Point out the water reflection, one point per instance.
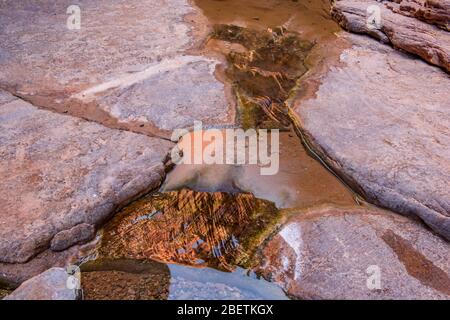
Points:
(218, 229)
(209, 284)
(300, 182)
(129, 279)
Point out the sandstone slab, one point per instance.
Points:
(128, 66)
(12, 275)
(407, 33)
(50, 285)
(381, 120)
(80, 233)
(62, 176)
(329, 253)
(432, 11)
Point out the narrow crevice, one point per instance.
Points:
(113, 123)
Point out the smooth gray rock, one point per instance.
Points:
(407, 33)
(58, 172)
(381, 120)
(50, 285)
(132, 64)
(331, 253)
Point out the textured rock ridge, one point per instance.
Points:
(407, 33)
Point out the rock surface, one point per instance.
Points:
(80, 233)
(13, 274)
(380, 119)
(62, 176)
(50, 285)
(417, 37)
(432, 11)
(6, 97)
(122, 68)
(331, 253)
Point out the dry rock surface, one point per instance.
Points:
(122, 68)
(418, 37)
(333, 253)
(380, 119)
(62, 176)
(432, 11)
(49, 285)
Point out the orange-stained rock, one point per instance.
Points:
(409, 34)
(432, 11)
(330, 253)
(122, 68)
(61, 177)
(381, 120)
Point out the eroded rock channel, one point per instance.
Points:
(224, 231)
(219, 216)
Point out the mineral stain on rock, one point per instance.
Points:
(217, 229)
(416, 264)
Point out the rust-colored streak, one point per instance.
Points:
(416, 264)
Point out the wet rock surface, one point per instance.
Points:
(49, 285)
(122, 68)
(128, 279)
(330, 253)
(384, 133)
(125, 280)
(264, 74)
(209, 284)
(428, 41)
(62, 176)
(264, 66)
(4, 293)
(300, 182)
(310, 19)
